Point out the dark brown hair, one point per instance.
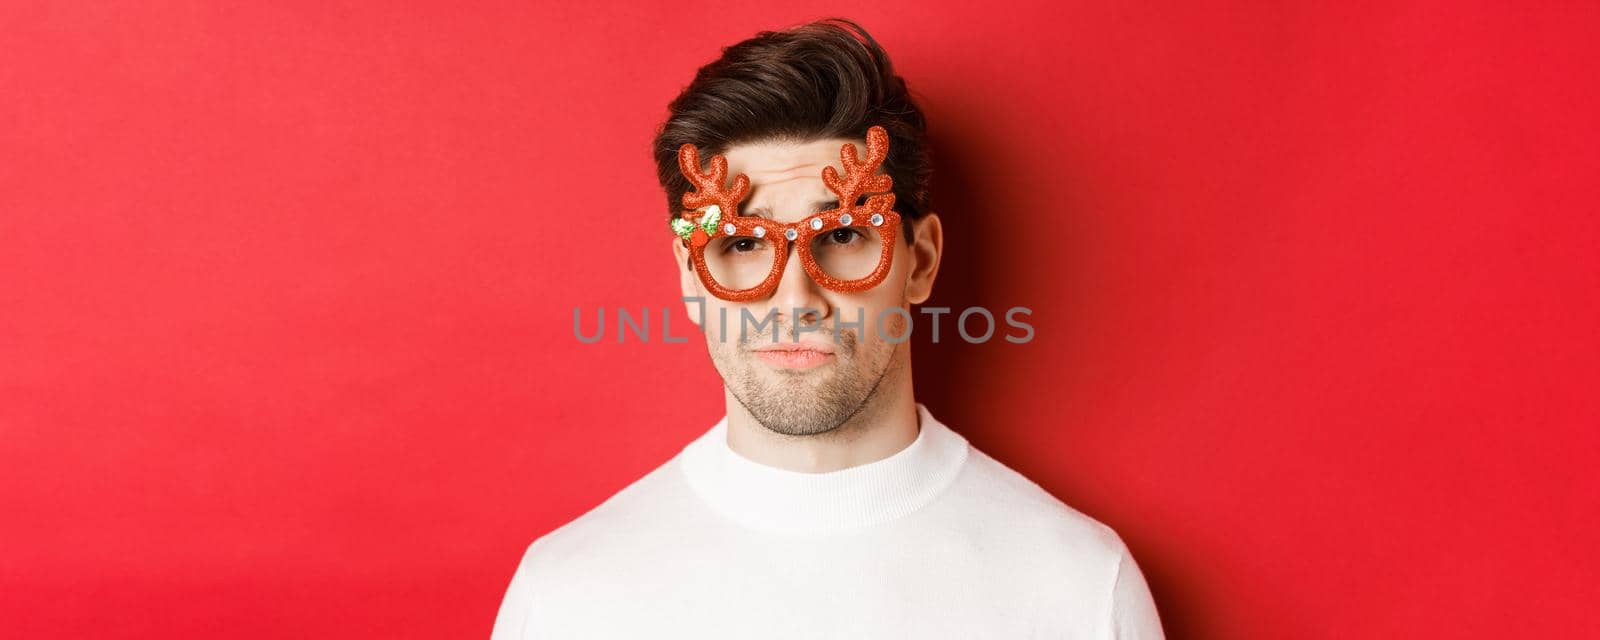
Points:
(825, 79)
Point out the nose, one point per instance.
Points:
(798, 299)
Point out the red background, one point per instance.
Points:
(286, 300)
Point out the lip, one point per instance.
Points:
(795, 355)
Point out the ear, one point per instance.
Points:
(688, 282)
(925, 252)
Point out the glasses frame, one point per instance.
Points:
(702, 218)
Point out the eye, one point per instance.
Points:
(740, 245)
(843, 236)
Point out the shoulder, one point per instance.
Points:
(642, 520)
(999, 508)
(1077, 567)
(639, 513)
(1022, 500)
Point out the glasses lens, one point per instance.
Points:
(848, 253)
(739, 262)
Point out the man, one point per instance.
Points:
(828, 503)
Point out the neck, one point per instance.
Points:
(886, 424)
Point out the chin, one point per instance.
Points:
(805, 381)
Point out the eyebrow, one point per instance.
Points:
(816, 207)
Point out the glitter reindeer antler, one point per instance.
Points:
(859, 175)
(708, 194)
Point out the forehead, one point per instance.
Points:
(786, 176)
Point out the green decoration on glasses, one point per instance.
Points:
(712, 218)
(685, 229)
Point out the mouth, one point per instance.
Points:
(799, 355)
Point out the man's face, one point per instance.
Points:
(812, 382)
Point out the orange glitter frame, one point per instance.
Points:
(721, 207)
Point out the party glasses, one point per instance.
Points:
(741, 258)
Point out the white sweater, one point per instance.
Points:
(936, 541)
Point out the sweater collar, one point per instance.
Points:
(783, 501)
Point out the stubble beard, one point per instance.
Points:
(805, 402)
